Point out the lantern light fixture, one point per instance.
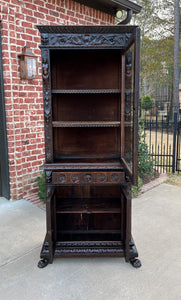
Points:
(28, 64)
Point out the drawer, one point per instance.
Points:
(76, 178)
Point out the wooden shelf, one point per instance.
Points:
(128, 124)
(105, 91)
(86, 123)
(88, 206)
(84, 164)
(92, 231)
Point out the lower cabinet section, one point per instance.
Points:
(88, 221)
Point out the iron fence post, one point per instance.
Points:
(174, 140)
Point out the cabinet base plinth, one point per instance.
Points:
(88, 249)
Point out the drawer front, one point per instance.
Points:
(75, 178)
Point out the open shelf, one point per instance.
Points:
(86, 123)
(88, 206)
(94, 223)
(85, 70)
(80, 108)
(87, 142)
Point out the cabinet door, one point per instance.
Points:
(129, 109)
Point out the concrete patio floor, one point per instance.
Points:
(156, 231)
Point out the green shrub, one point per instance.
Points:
(147, 102)
(41, 187)
(145, 162)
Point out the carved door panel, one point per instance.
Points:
(130, 87)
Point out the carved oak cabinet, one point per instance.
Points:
(90, 89)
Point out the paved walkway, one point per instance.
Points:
(156, 231)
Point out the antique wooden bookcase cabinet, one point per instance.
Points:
(90, 89)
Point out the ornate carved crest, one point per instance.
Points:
(91, 40)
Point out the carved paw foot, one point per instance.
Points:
(136, 263)
(43, 263)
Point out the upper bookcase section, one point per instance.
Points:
(87, 37)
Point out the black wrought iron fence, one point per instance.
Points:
(178, 151)
(162, 128)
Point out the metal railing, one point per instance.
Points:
(162, 129)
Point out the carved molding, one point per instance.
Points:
(119, 37)
(90, 244)
(86, 124)
(91, 91)
(114, 248)
(87, 177)
(88, 40)
(82, 167)
(92, 29)
(88, 251)
(73, 244)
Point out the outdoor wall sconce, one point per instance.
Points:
(28, 64)
(119, 14)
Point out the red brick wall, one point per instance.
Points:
(23, 98)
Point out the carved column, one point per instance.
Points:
(47, 105)
(126, 189)
(49, 208)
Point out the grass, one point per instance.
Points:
(174, 179)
